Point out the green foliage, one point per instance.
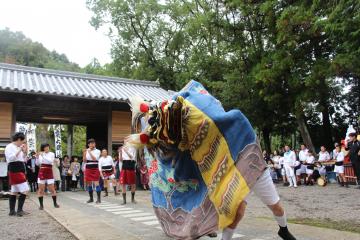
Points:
(94, 67)
(277, 61)
(18, 49)
(45, 134)
(284, 64)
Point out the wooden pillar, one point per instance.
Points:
(109, 130)
(70, 137)
(7, 126)
(13, 123)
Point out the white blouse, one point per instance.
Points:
(106, 161)
(10, 154)
(340, 157)
(46, 158)
(290, 158)
(310, 160)
(303, 155)
(130, 156)
(324, 156)
(95, 152)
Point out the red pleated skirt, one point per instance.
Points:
(92, 174)
(45, 172)
(16, 178)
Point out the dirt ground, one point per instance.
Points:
(330, 203)
(36, 226)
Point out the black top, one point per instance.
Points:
(15, 167)
(354, 148)
(128, 165)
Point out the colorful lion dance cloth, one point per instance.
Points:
(202, 160)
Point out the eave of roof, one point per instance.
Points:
(21, 79)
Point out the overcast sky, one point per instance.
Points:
(61, 25)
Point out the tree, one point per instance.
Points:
(342, 25)
(16, 48)
(272, 59)
(95, 68)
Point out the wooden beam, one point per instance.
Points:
(109, 130)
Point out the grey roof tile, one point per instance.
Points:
(15, 78)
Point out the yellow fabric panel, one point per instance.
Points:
(208, 147)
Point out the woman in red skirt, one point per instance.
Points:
(144, 174)
(107, 171)
(45, 159)
(128, 174)
(92, 175)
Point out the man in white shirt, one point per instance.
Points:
(324, 156)
(15, 154)
(91, 157)
(289, 165)
(303, 154)
(339, 166)
(127, 174)
(3, 175)
(334, 152)
(309, 163)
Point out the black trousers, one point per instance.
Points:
(57, 185)
(68, 182)
(75, 183)
(356, 167)
(63, 187)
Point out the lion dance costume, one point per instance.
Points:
(202, 160)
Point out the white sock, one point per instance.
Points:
(281, 220)
(294, 180)
(290, 181)
(227, 234)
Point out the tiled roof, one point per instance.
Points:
(21, 79)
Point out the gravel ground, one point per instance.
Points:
(330, 202)
(38, 225)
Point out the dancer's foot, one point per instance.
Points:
(56, 206)
(212, 235)
(12, 213)
(285, 234)
(41, 208)
(22, 213)
(133, 198)
(90, 201)
(124, 199)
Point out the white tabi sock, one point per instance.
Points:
(294, 181)
(227, 234)
(281, 220)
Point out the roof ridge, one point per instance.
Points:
(77, 75)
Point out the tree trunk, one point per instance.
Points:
(327, 136)
(267, 140)
(305, 135)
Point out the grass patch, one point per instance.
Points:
(328, 223)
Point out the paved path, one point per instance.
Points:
(110, 220)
